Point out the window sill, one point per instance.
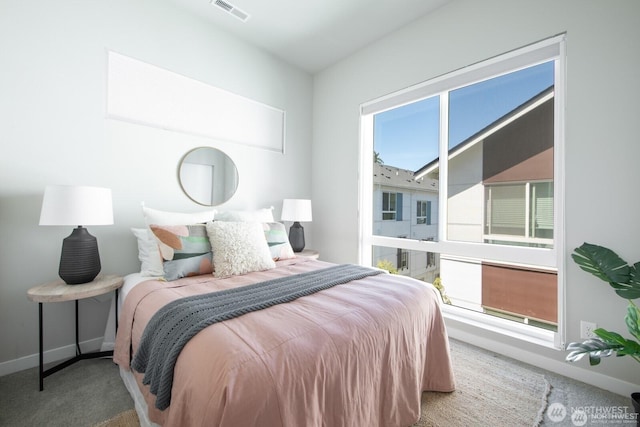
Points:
(503, 327)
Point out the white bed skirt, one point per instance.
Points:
(108, 343)
(130, 280)
(138, 400)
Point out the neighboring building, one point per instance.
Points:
(405, 207)
(500, 190)
(496, 168)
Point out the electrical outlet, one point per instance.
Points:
(586, 329)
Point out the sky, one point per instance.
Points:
(407, 137)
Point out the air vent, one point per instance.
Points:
(231, 10)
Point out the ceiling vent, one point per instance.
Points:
(231, 10)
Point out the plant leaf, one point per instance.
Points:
(632, 320)
(610, 337)
(631, 289)
(595, 348)
(608, 266)
(625, 280)
(625, 346)
(631, 349)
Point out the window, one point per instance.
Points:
(388, 206)
(403, 259)
(423, 212)
(478, 153)
(431, 259)
(519, 213)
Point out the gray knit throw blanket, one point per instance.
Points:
(176, 323)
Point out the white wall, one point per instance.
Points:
(466, 193)
(53, 130)
(463, 282)
(602, 147)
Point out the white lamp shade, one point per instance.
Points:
(76, 205)
(296, 210)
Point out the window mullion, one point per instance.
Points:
(527, 210)
(444, 166)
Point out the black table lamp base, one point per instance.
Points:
(296, 237)
(80, 260)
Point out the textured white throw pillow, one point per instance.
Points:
(238, 248)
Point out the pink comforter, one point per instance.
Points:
(358, 354)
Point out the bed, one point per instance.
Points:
(357, 353)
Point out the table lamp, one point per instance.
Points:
(77, 206)
(296, 210)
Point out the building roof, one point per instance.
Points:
(401, 178)
(490, 129)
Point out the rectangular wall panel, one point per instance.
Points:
(149, 95)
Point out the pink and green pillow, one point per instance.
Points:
(278, 241)
(185, 250)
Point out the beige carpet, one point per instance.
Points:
(125, 419)
(489, 392)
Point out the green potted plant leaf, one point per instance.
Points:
(625, 281)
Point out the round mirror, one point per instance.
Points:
(208, 176)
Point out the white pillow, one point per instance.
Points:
(259, 215)
(157, 217)
(238, 248)
(148, 253)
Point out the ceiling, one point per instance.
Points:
(312, 34)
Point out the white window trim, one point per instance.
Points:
(550, 49)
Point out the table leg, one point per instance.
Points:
(41, 359)
(116, 308)
(78, 352)
(79, 355)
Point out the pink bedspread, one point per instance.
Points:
(358, 354)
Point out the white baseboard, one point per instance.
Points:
(614, 385)
(53, 355)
